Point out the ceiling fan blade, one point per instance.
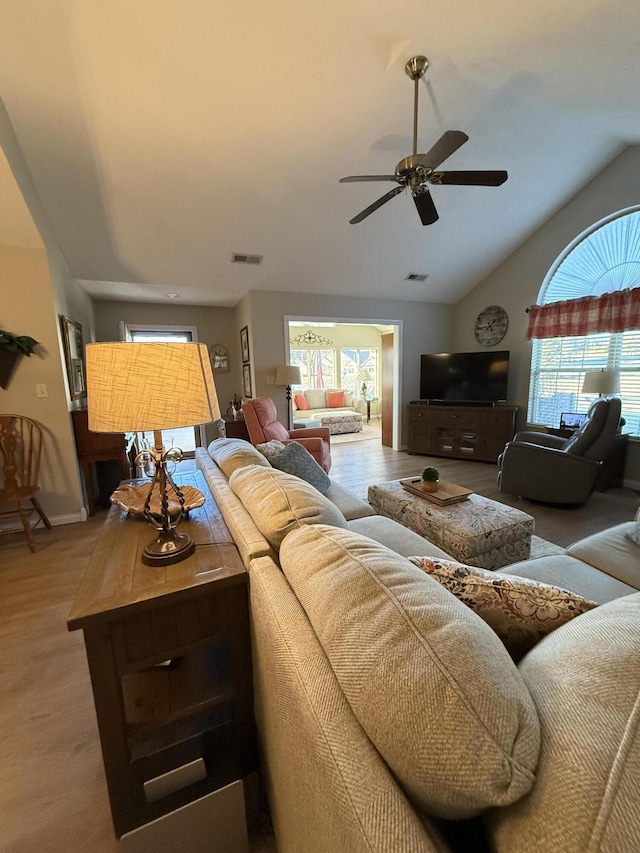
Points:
(376, 204)
(447, 145)
(478, 179)
(353, 178)
(426, 207)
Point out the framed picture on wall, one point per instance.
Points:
(246, 380)
(244, 344)
(74, 357)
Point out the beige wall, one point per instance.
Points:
(425, 327)
(515, 284)
(214, 325)
(26, 272)
(36, 289)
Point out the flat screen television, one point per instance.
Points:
(464, 377)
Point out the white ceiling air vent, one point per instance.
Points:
(237, 258)
(416, 276)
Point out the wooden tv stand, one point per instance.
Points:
(461, 432)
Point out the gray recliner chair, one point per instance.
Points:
(551, 469)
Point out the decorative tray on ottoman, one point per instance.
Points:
(446, 493)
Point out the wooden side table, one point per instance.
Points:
(170, 662)
(369, 402)
(97, 447)
(236, 429)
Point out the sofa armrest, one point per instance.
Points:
(313, 445)
(612, 551)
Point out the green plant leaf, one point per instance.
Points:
(24, 344)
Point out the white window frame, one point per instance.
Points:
(558, 365)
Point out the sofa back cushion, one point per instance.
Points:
(316, 399)
(279, 502)
(429, 681)
(232, 453)
(585, 681)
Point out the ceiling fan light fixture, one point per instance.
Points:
(417, 171)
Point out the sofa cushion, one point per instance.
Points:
(296, 459)
(429, 681)
(585, 682)
(612, 551)
(520, 611)
(335, 399)
(316, 399)
(301, 402)
(279, 502)
(394, 535)
(232, 453)
(572, 574)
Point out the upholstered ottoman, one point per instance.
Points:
(478, 531)
(342, 422)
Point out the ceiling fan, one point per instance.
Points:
(418, 170)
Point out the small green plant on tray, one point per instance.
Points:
(430, 475)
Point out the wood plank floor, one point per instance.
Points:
(357, 464)
(53, 795)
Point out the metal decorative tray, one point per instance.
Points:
(132, 499)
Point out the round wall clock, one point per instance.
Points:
(491, 326)
(219, 356)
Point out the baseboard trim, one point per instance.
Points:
(70, 518)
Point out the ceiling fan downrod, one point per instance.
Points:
(415, 68)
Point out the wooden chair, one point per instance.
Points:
(20, 449)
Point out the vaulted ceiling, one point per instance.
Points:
(164, 136)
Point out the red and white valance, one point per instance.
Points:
(618, 311)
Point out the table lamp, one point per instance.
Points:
(364, 376)
(288, 374)
(134, 387)
(601, 382)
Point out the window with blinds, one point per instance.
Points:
(603, 259)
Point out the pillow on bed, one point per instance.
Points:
(520, 611)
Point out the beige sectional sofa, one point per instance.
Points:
(390, 716)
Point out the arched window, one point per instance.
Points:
(604, 258)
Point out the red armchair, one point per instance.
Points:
(261, 418)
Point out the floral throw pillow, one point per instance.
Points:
(270, 449)
(520, 611)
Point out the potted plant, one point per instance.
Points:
(12, 347)
(430, 477)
